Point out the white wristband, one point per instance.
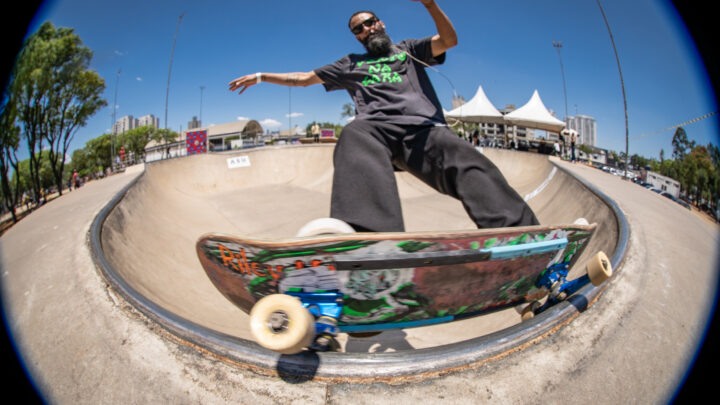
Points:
(258, 77)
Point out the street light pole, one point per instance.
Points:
(172, 53)
(289, 111)
(201, 97)
(112, 128)
(558, 46)
(622, 86)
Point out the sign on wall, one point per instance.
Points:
(196, 142)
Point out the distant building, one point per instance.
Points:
(127, 123)
(597, 157)
(194, 124)
(586, 128)
(124, 124)
(457, 101)
(148, 120)
(661, 182)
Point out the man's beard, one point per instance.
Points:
(378, 44)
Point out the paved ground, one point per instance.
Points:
(83, 344)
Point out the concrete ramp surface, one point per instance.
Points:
(149, 238)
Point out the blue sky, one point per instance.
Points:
(506, 47)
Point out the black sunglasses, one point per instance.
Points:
(367, 23)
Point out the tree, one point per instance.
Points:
(699, 173)
(714, 153)
(348, 110)
(135, 140)
(81, 163)
(639, 161)
(77, 97)
(22, 178)
(30, 87)
(98, 154)
(56, 93)
(165, 136)
(681, 144)
(9, 141)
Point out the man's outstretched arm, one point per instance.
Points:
(285, 79)
(446, 37)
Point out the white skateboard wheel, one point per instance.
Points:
(325, 226)
(581, 221)
(599, 269)
(528, 312)
(281, 323)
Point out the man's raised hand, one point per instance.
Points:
(243, 83)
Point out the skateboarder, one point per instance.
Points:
(399, 121)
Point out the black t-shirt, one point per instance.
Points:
(394, 89)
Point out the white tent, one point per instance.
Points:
(478, 109)
(534, 115)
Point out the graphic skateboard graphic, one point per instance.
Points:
(300, 292)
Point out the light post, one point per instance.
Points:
(558, 46)
(201, 97)
(112, 127)
(622, 86)
(172, 53)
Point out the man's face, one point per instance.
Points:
(370, 32)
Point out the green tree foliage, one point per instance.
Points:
(135, 140)
(97, 156)
(10, 140)
(45, 174)
(681, 144)
(348, 110)
(54, 93)
(696, 167)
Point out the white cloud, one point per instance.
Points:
(270, 123)
(138, 78)
(120, 53)
(294, 115)
(243, 119)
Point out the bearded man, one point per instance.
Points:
(399, 122)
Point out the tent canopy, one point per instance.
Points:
(478, 109)
(534, 115)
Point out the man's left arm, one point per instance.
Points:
(446, 37)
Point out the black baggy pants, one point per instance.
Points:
(365, 195)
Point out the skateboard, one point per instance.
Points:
(301, 292)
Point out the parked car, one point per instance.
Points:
(684, 204)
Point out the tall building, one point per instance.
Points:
(125, 123)
(586, 128)
(194, 124)
(457, 101)
(148, 120)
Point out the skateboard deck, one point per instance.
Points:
(397, 280)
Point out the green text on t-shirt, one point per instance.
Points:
(380, 72)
